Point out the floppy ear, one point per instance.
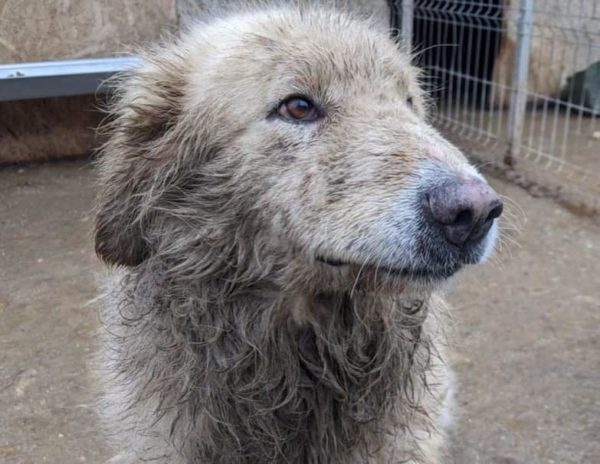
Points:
(142, 117)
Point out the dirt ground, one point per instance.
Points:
(527, 331)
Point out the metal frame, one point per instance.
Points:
(518, 103)
(408, 12)
(508, 118)
(22, 81)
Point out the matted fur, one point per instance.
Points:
(227, 339)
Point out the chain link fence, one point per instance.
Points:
(515, 83)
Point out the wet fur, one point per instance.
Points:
(226, 341)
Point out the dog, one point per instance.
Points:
(278, 216)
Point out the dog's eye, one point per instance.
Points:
(410, 102)
(298, 109)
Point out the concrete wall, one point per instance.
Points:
(34, 30)
(378, 9)
(46, 129)
(39, 30)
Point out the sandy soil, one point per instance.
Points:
(527, 331)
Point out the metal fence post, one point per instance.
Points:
(408, 13)
(518, 101)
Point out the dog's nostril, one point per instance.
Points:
(463, 217)
(495, 213)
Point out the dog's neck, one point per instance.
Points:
(296, 375)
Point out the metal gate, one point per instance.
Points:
(515, 82)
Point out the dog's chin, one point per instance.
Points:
(443, 261)
(382, 278)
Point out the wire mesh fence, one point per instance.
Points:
(515, 82)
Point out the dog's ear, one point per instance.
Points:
(132, 162)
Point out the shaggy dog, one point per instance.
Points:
(278, 216)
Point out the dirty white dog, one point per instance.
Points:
(278, 215)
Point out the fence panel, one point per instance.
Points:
(515, 81)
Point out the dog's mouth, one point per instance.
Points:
(417, 274)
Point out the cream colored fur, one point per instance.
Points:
(229, 338)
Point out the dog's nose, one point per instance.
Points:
(464, 210)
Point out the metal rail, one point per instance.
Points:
(22, 81)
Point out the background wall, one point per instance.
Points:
(33, 30)
(378, 9)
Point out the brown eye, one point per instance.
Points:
(298, 109)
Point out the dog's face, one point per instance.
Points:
(322, 123)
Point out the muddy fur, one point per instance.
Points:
(228, 339)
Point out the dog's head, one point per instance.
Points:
(297, 139)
